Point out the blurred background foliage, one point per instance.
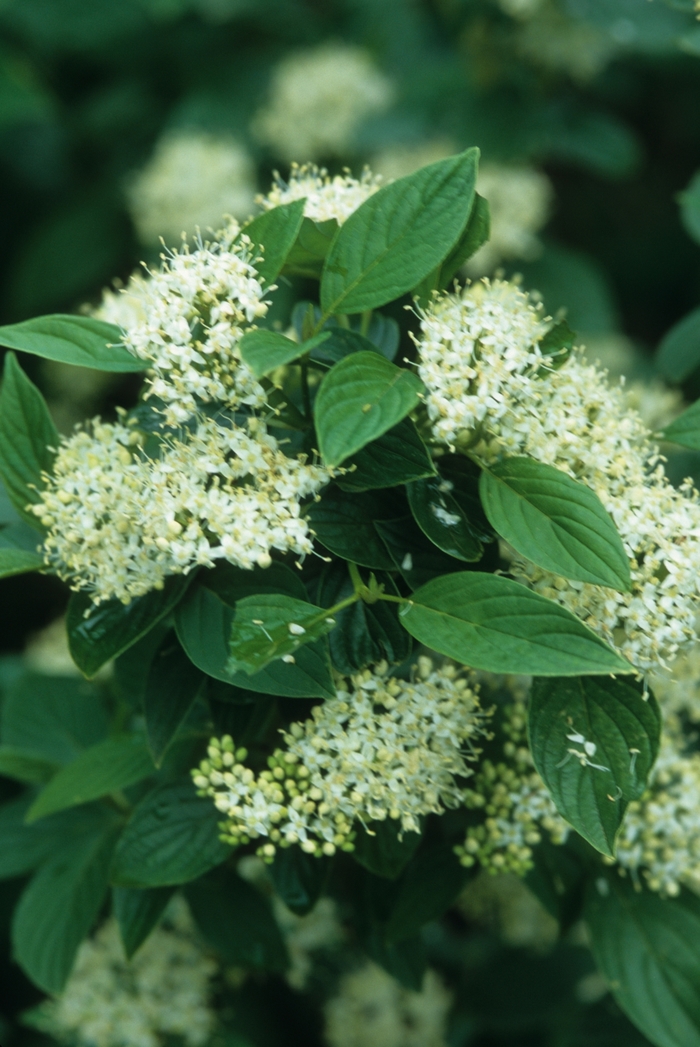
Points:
(590, 106)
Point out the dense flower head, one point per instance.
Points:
(194, 311)
(490, 387)
(326, 198)
(192, 180)
(519, 200)
(119, 522)
(163, 991)
(382, 748)
(372, 1009)
(318, 99)
(515, 801)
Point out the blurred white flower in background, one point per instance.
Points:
(520, 200)
(318, 99)
(191, 181)
(395, 161)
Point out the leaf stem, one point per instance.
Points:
(305, 387)
(365, 322)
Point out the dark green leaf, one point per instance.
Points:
(557, 523)
(648, 949)
(397, 457)
(594, 741)
(28, 439)
(442, 519)
(23, 847)
(54, 716)
(462, 475)
(275, 231)
(25, 765)
(360, 399)
(298, 878)
(19, 561)
(418, 560)
(475, 234)
(79, 340)
(235, 918)
(685, 430)
(398, 235)
(172, 685)
(429, 885)
(340, 343)
(406, 961)
(96, 634)
(495, 624)
(137, 912)
(384, 333)
(558, 878)
(308, 254)
(104, 768)
(689, 200)
(383, 849)
(344, 523)
(557, 344)
(679, 352)
(61, 903)
(271, 626)
(265, 350)
(171, 838)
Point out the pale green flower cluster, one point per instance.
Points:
(552, 39)
(326, 198)
(382, 748)
(318, 99)
(515, 801)
(120, 522)
(372, 1009)
(163, 991)
(490, 389)
(192, 180)
(519, 199)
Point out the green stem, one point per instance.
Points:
(347, 602)
(306, 397)
(393, 599)
(357, 582)
(365, 322)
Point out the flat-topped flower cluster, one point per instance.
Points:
(382, 748)
(326, 197)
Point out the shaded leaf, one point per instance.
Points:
(685, 430)
(679, 352)
(137, 912)
(19, 561)
(275, 232)
(344, 523)
(442, 519)
(383, 849)
(265, 350)
(171, 688)
(397, 457)
(56, 717)
(271, 626)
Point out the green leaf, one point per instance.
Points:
(203, 624)
(308, 254)
(28, 439)
(105, 768)
(299, 878)
(25, 765)
(648, 950)
(265, 350)
(557, 523)
(442, 519)
(412, 554)
(275, 231)
(235, 918)
(679, 352)
(360, 399)
(689, 201)
(345, 524)
(557, 344)
(61, 903)
(397, 457)
(685, 430)
(383, 849)
(594, 741)
(171, 838)
(98, 633)
(23, 847)
(476, 233)
(137, 912)
(19, 561)
(172, 686)
(427, 888)
(79, 340)
(272, 626)
(56, 717)
(495, 624)
(558, 879)
(461, 476)
(398, 235)
(339, 343)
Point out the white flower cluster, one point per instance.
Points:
(678, 691)
(552, 39)
(660, 834)
(382, 748)
(326, 198)
(163, 991)
(124, 306)
(119, 522)
(519, 200)
(318, 99)
(192, 181)
(489, 388)
(521, 9)
(516, 803)
(195, 311)
(373, 1010)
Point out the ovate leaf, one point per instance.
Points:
(98, 633)
(137, 912)
(299, 878)
(442, 519)
(397, 457)
(273, 233)
(171, 838)
(594, 741)
(23, 847)
(495, 624)
(28, 439)
(171, 688)
(648, 950)
(265, 350)
(272, 626)
(360, 399)
(679, 352)
(428, 886)
(685, 430)
(309, 251)
(104, 768)
(25, 766)
(345, 524)
(79, 340)
(19, 561)
(557, 523)
(476, 233)
(56, 717)
(398, 235)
